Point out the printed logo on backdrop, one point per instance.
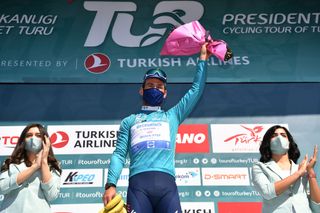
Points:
(192, 138)
(227, 207)
(118, 25)
(271, 23)
(238, 138)
(123, 179)
(9, 136)
(59, 139)
(113, 17)
(97, 63)
(188, 176)
(166, 14)
(197, 207)
(223, 176)
(74, 178)
(83, 139)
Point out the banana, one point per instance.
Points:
(118, 208)
(112, 203)
(123, 210)
(102, 210)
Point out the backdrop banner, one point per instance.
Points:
(215, 146)
(117, 41)
(213, 164)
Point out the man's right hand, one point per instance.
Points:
(109, 194)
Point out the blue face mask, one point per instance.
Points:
(33, 144)
(279, 145)
(153, 96)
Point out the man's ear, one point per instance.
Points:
(141, 91)
(165, 93)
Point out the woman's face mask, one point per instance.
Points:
(279, 145)
(33, 144)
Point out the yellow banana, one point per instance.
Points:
(112, 203)
(118, 208)
(102, 210)
(123, 210)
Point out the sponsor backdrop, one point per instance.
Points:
(61, 63)
(115, 41)
(216, 145)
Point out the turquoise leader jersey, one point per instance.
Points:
(150, 136)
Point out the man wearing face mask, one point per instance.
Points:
(284, 185)
(149, 139)
(30, 177)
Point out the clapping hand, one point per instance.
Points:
(45, 150)
(312, 161)
(303, 166)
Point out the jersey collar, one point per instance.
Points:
(151, 108)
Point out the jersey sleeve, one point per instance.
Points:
(119, 155)
(191, 98)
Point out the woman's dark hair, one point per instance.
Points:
(19, 153)
(265, 150)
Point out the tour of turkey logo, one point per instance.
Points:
(97, 63)
(59, 139)
(247, 136)
(241, 138)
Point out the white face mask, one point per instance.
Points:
(279, 145)
(33, 144)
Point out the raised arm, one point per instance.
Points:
(314, 187)
(191, 98)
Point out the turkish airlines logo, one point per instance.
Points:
(83, 139)
(192, 138)
(59, 139)
(166, 14)
(97, 63)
